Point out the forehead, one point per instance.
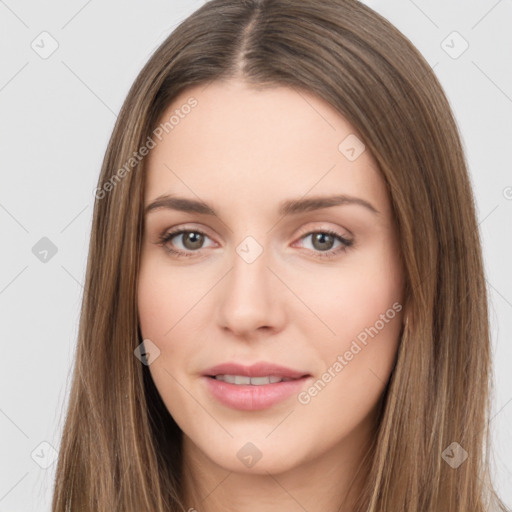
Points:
(253, 145)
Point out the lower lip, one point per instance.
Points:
(253, 398)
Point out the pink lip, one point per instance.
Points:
(252, 398)
(261, 369)
(249, 397)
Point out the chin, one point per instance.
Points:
(255, 458)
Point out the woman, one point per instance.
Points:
(285, 304)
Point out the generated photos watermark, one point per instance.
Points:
(361, 341)
(158, 133)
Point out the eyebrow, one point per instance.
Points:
(286, 208)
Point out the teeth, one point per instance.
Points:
(255, 381)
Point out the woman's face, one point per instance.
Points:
(274, 268)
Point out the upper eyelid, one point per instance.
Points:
(206, 230)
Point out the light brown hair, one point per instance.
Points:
(121, 449)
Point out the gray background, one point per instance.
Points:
(57, 114)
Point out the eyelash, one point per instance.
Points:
(167, 237)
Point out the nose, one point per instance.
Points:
(250, 298)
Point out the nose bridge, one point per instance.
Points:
(249, 298)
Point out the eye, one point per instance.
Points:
(323, 241)
(192, 241)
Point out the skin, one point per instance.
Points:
(243, 151)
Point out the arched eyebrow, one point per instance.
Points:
(286, 208)
(295, 206)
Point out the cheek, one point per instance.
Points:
(171, 314)
(164, 298)
(363, 306)
(162, 319)
(357, 364)
(354, 297)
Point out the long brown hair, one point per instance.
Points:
(121, 449)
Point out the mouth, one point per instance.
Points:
(236, 373)
(255, 387)
(243, 380)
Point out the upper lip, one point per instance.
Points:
(260, 369)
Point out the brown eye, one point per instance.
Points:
(322, 241)
(192, 240)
